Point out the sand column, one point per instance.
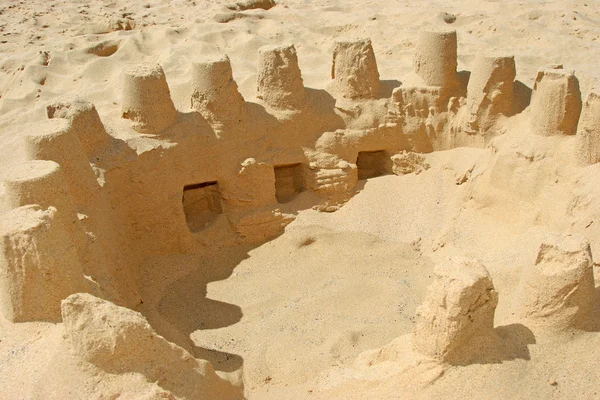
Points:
(555, 103)
(40, 182)
(354, 71)
(215, 94)
(558, 290)
(490, 90)
(435, 58)
(280, 82)
(460, 304)
(85, 122)
(56, 140)
(38, 265)
(147, 99)
(588, 134)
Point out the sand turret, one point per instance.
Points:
(147, 100)
(558, 290)
(280, 82)
(435, 57)
(38, 265)
(85, 122)
(39, 182)
(215, 94)
(588, 132)
(354, 70)
(56, 140)
(490, 90)
(459, 305)
(555, 103)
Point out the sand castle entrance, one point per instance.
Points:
(371, 164)
(201, 204)
(289, 181)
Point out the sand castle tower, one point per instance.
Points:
(354, 70)
(147, 100)
(280, 83)
(588, 134)
(215, 94)
(435, 57)
(558, 290)
(459, 305)
(40, 182)
(555, 103)
(56, 140)
(85, 122)
(490, 90)
(38, 264)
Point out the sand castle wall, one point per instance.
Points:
(228, 170)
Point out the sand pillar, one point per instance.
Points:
(38, 265)
(555, 103)
(459, 305)
(588, 134)
(40, 182)
(435, 58)
(490, 90)
(279, 78)
(56, 140)
(85, 122)
(215, 94)
(558, 290)
(354, 71)
(147, 99)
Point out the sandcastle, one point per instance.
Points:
(189, 185)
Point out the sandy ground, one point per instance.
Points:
(296, 312)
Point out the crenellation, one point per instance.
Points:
(555, 102)
(146, 99)
(280, 83)
(354, 70)
(215, 94)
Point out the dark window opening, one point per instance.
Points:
(289, 181)
(201, 204)
(373, 163)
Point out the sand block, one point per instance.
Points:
(459, 305)
(215, 94)
(280, 83)
(147, 100)
(588, 133)
(38, 265)
(490, 90)
(555, 103)
(120, 340)
(354, 71)
(254, 187)
(85, 122)
(435, 57)
(558, 290)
